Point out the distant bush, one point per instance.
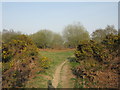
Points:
(47, 39)
(99, 34)
(73, 34)
(8, 35)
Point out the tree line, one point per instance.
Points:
(71, 36)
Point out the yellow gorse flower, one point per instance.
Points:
(4, 52)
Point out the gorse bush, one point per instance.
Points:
(20, 57)
(112, 43)
(44, 62)
(89, 49)
(102, 52)
(98, 58)
(16, 47)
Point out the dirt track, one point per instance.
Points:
(66, 75)
(63, 76)
(56, 78)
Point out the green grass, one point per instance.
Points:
(37, 82)
(56, 59)
(72, 62)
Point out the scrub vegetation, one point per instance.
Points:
(30, 61)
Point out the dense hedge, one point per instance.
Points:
(20, 58)
(105, 51)
(89, 49)
(112, 43)
(94, 58)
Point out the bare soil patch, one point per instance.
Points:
(63, 75)
(66, 75)
(56, 76)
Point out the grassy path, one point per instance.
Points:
(56, 57)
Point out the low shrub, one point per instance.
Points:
(90, 49)
(96, 59)
(112, 43)
(20, 59)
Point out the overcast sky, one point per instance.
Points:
(29, 17)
